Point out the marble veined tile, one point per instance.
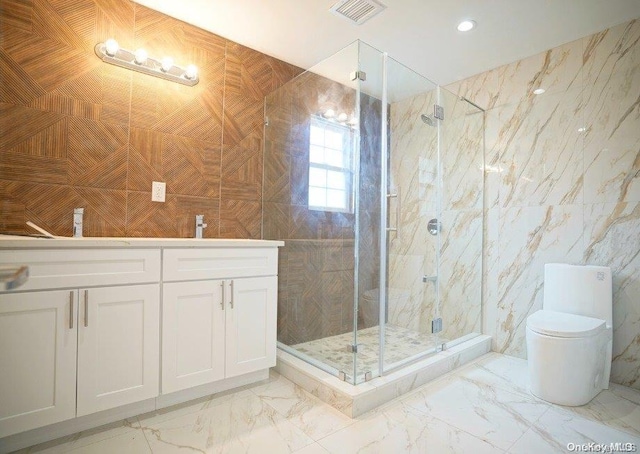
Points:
(556, 430)
(246, 425)
(462, 155)
(315, 448)
(611, 238)
(404, 430)
(529, 238)
(460, 275)
(132, 443)
(609, 409)
(555, 70)
(612, 141)
(303, 410)
(500, 371)
(541, 153)
(615, 51)
(191, 407)
(123, 433)
(492, 414)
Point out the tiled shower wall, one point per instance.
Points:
(77, 132)
(421, 157)
(563, 182)
(316, 266)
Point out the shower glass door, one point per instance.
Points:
(412, 176)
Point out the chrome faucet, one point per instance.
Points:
(200, 225)
(77, 222)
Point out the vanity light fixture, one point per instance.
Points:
(539, 91)
(466, 25)
(111, 52)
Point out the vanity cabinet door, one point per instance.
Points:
(193, 334)
(38, 340)
(118, 346)
(251, 325)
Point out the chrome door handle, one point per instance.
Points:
(86, 308)
(397, 197)
(231, 300)
(70, 310)
(222, 289)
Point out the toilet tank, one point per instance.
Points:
(579, 289)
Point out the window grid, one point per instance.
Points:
(330, 176)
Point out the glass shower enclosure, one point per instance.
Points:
(373, 178)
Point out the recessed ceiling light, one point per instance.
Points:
(539, 91)
(466, 25)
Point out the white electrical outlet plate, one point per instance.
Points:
(158, 191)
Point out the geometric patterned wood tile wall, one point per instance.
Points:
(77, 132)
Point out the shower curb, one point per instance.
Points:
(353, 401)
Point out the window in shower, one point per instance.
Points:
(330, 166)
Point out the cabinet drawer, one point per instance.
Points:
(60, 268)
(198, 264)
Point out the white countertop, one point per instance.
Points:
(26, 242)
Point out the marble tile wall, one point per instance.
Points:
(437, 177)
(77, 132)
(563, 181)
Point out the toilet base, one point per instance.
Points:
(567, 371)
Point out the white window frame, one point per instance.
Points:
(346, 169)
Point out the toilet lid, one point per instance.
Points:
(561, 324)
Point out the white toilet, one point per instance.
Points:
(569, 340)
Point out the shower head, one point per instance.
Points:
(428, 119)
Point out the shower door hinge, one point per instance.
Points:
(438, 112)
(436, 325)
(266, 121)
(342, 375)
(368, 375)
(358, 75)
(353, 348)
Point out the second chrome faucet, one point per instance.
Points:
(200, 225)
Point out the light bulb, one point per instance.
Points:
(342, 117)
(140, 56)
(466, 25)
(538, 91)
(329, 113)
(191, 72)
(111, 47)
(167, 64)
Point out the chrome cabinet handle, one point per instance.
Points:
(70, 310)
(86, 308)
(231, 300)
(222, 289)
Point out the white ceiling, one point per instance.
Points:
(418, 33)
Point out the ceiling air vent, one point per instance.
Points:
(357, 11)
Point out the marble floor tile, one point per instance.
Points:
(556, 429)
(611, 410)
(194, 406)
(244, 425)
(483, 407)
(100, 436)
(490, 413)
(504, 372)
(402, 429)
(305, 411)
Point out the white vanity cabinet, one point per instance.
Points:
(101, 323)
(73, 352)
(38, 343)
(118, 346)
(219, 327)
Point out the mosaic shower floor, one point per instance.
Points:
(399, 344)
